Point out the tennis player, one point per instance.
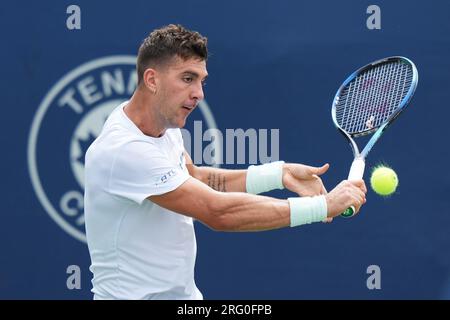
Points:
(142, 191)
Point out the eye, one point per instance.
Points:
(187, 79)
(204, 83)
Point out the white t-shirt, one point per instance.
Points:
(138, 249)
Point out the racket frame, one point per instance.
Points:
(358, 164)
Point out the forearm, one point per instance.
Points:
(246, 212)
(255, 179)
(262, 178)
(222, 179)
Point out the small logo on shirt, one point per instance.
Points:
(165, 177)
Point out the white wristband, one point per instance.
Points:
(307, 210)
(265, 177)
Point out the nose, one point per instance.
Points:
(197, 92)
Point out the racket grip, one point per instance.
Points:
(356, 173)
(348, 212)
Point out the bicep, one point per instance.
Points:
(192, 198)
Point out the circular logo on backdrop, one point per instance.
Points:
(68, 120)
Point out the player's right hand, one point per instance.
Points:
(344, 195)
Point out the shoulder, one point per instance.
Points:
(115, 116)
(138, 149)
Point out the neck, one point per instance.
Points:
(142, 111)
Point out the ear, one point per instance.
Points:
(149, 79)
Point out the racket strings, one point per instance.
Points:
(371, 98)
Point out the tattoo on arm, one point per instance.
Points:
(217, 182)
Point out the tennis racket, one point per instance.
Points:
(368, 101)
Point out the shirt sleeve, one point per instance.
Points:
(141, 170)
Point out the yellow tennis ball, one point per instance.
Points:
(384, 181)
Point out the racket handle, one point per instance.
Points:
(356, 173)
(348, 212)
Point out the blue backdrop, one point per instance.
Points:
(274, 64)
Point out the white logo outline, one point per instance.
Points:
(40, 113)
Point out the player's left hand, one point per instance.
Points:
(304, 180)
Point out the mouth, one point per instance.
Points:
(189, 107)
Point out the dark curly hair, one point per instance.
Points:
(169, 41)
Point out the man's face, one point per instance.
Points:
(179, 88)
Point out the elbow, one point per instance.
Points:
(219, 224)
(218, 217)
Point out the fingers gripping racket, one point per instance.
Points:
(368, 101)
